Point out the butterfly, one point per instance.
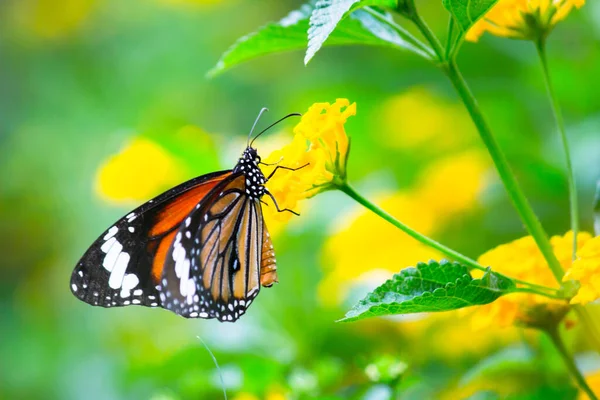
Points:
(201, 249)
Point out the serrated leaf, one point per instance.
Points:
(597, 210)
(467, 12)
(431, 287)
(290, 34)
(326, 16)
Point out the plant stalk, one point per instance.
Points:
(569, 362)
(530, 220)
(453, 254)
(350, 191)
(540, 46)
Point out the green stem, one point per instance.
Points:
(530, 220)
(532, 223)
(540, 45)
(429, 35)
(350, 191)
(453, 254)
(449, 38)
(554, 292)
(570, 364)
(534, 291)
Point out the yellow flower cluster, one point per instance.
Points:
(319, 148)
(137, 173)
(586, 270)
(523, 19)
(521, 259)
(366, 249)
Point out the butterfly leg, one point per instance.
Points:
(271, 164)
(286, 168)
(277, 205)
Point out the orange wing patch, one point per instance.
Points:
(268, 263)
(172, 214)
(160, 256)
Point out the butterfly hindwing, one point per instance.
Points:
(213, 267)
(124, 265)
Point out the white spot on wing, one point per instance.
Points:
(107, 245)
(118, 272)
(130, 281)
(111, 232)
(111, 256)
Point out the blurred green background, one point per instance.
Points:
(79, 79)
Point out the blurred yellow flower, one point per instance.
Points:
(419, 119)
(521, 259)
(452, 185)
(593, 381)
(137, 173)
(586, 270)
(320, 146)
(366, 249)
(275, 392)
(523, 19)
(51, 18)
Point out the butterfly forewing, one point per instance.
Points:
(125, 263)
(213, 270)
(201, 249)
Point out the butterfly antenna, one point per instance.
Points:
(261, 112)
(273, 124)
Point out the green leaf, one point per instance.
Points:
(597, 210)
(326, 16)
(289, 33)
(467, 12)
(367, 28)
(431, 287)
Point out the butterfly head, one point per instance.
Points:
(255, 179)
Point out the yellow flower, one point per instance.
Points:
(320, 146)
(137, 173)
(521, 259)
(366, 249)
(523, 19)
(586, 270)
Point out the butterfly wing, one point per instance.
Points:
(125, 264)
(215, 260)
